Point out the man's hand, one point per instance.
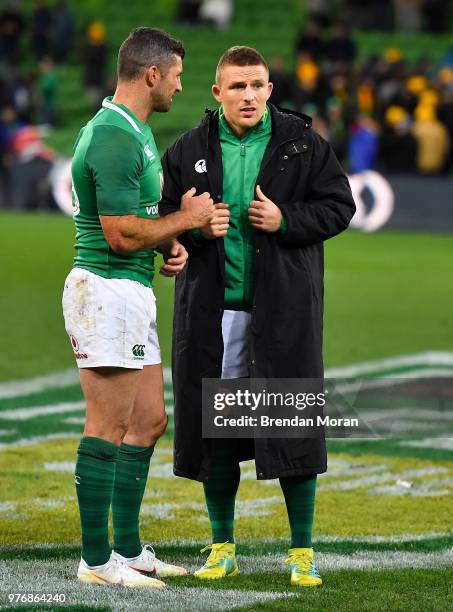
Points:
(175, 260)
(218, 224)
(264, 214)
(198, 209)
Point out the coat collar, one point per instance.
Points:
(287, 126)
(264, 125)
(284, 122)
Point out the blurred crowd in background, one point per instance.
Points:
(381, 112)
(33, 47)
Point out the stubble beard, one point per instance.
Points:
(161, 104)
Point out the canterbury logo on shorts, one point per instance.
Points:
(138, 350)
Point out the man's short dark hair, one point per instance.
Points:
(146, 47)
(240, 56)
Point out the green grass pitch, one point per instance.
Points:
(384, 526)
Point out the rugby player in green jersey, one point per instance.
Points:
(110, 309)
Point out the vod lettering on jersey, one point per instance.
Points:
(152, 209)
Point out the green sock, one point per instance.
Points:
(130, 481)
(299, 493)
(220, 493)
(94, 476)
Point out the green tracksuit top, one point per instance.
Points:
(241, 161)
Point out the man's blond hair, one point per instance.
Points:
(240, 56)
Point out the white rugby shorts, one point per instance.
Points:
(110, 321)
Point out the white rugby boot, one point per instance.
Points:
(149, 565)
(115, 572)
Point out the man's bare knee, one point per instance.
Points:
(156, 430)
(161, 426)
(149, 435)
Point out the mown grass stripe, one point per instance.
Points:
(368, 591)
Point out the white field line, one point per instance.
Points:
(55, 380)
(362, 560)
(38, 439)
(59, 577)
(379, 539)
(74, 421)
(402, 538)
(376, 383)
(350, 439)
(338, 478)
(248, 471)
(340, 471)
(45, 438)
(54, 574)
(15, 388)
(429, 358)
(409, 412)
(439, 443)
(60, 466)
(430, 488)
(347, 485)
(24, 414)
(70, 377)
(67, 378)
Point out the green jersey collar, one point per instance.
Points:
(263, 125)
(124, 112)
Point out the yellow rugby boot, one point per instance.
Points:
(303, 568)
(220, 563)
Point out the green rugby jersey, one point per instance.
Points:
(116, 170)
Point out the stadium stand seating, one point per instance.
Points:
(265, 24)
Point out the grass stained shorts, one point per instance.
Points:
(110, 321)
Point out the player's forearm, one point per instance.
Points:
(144, 234)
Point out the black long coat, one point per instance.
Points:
(301, 174)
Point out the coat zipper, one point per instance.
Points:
(242, 151)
